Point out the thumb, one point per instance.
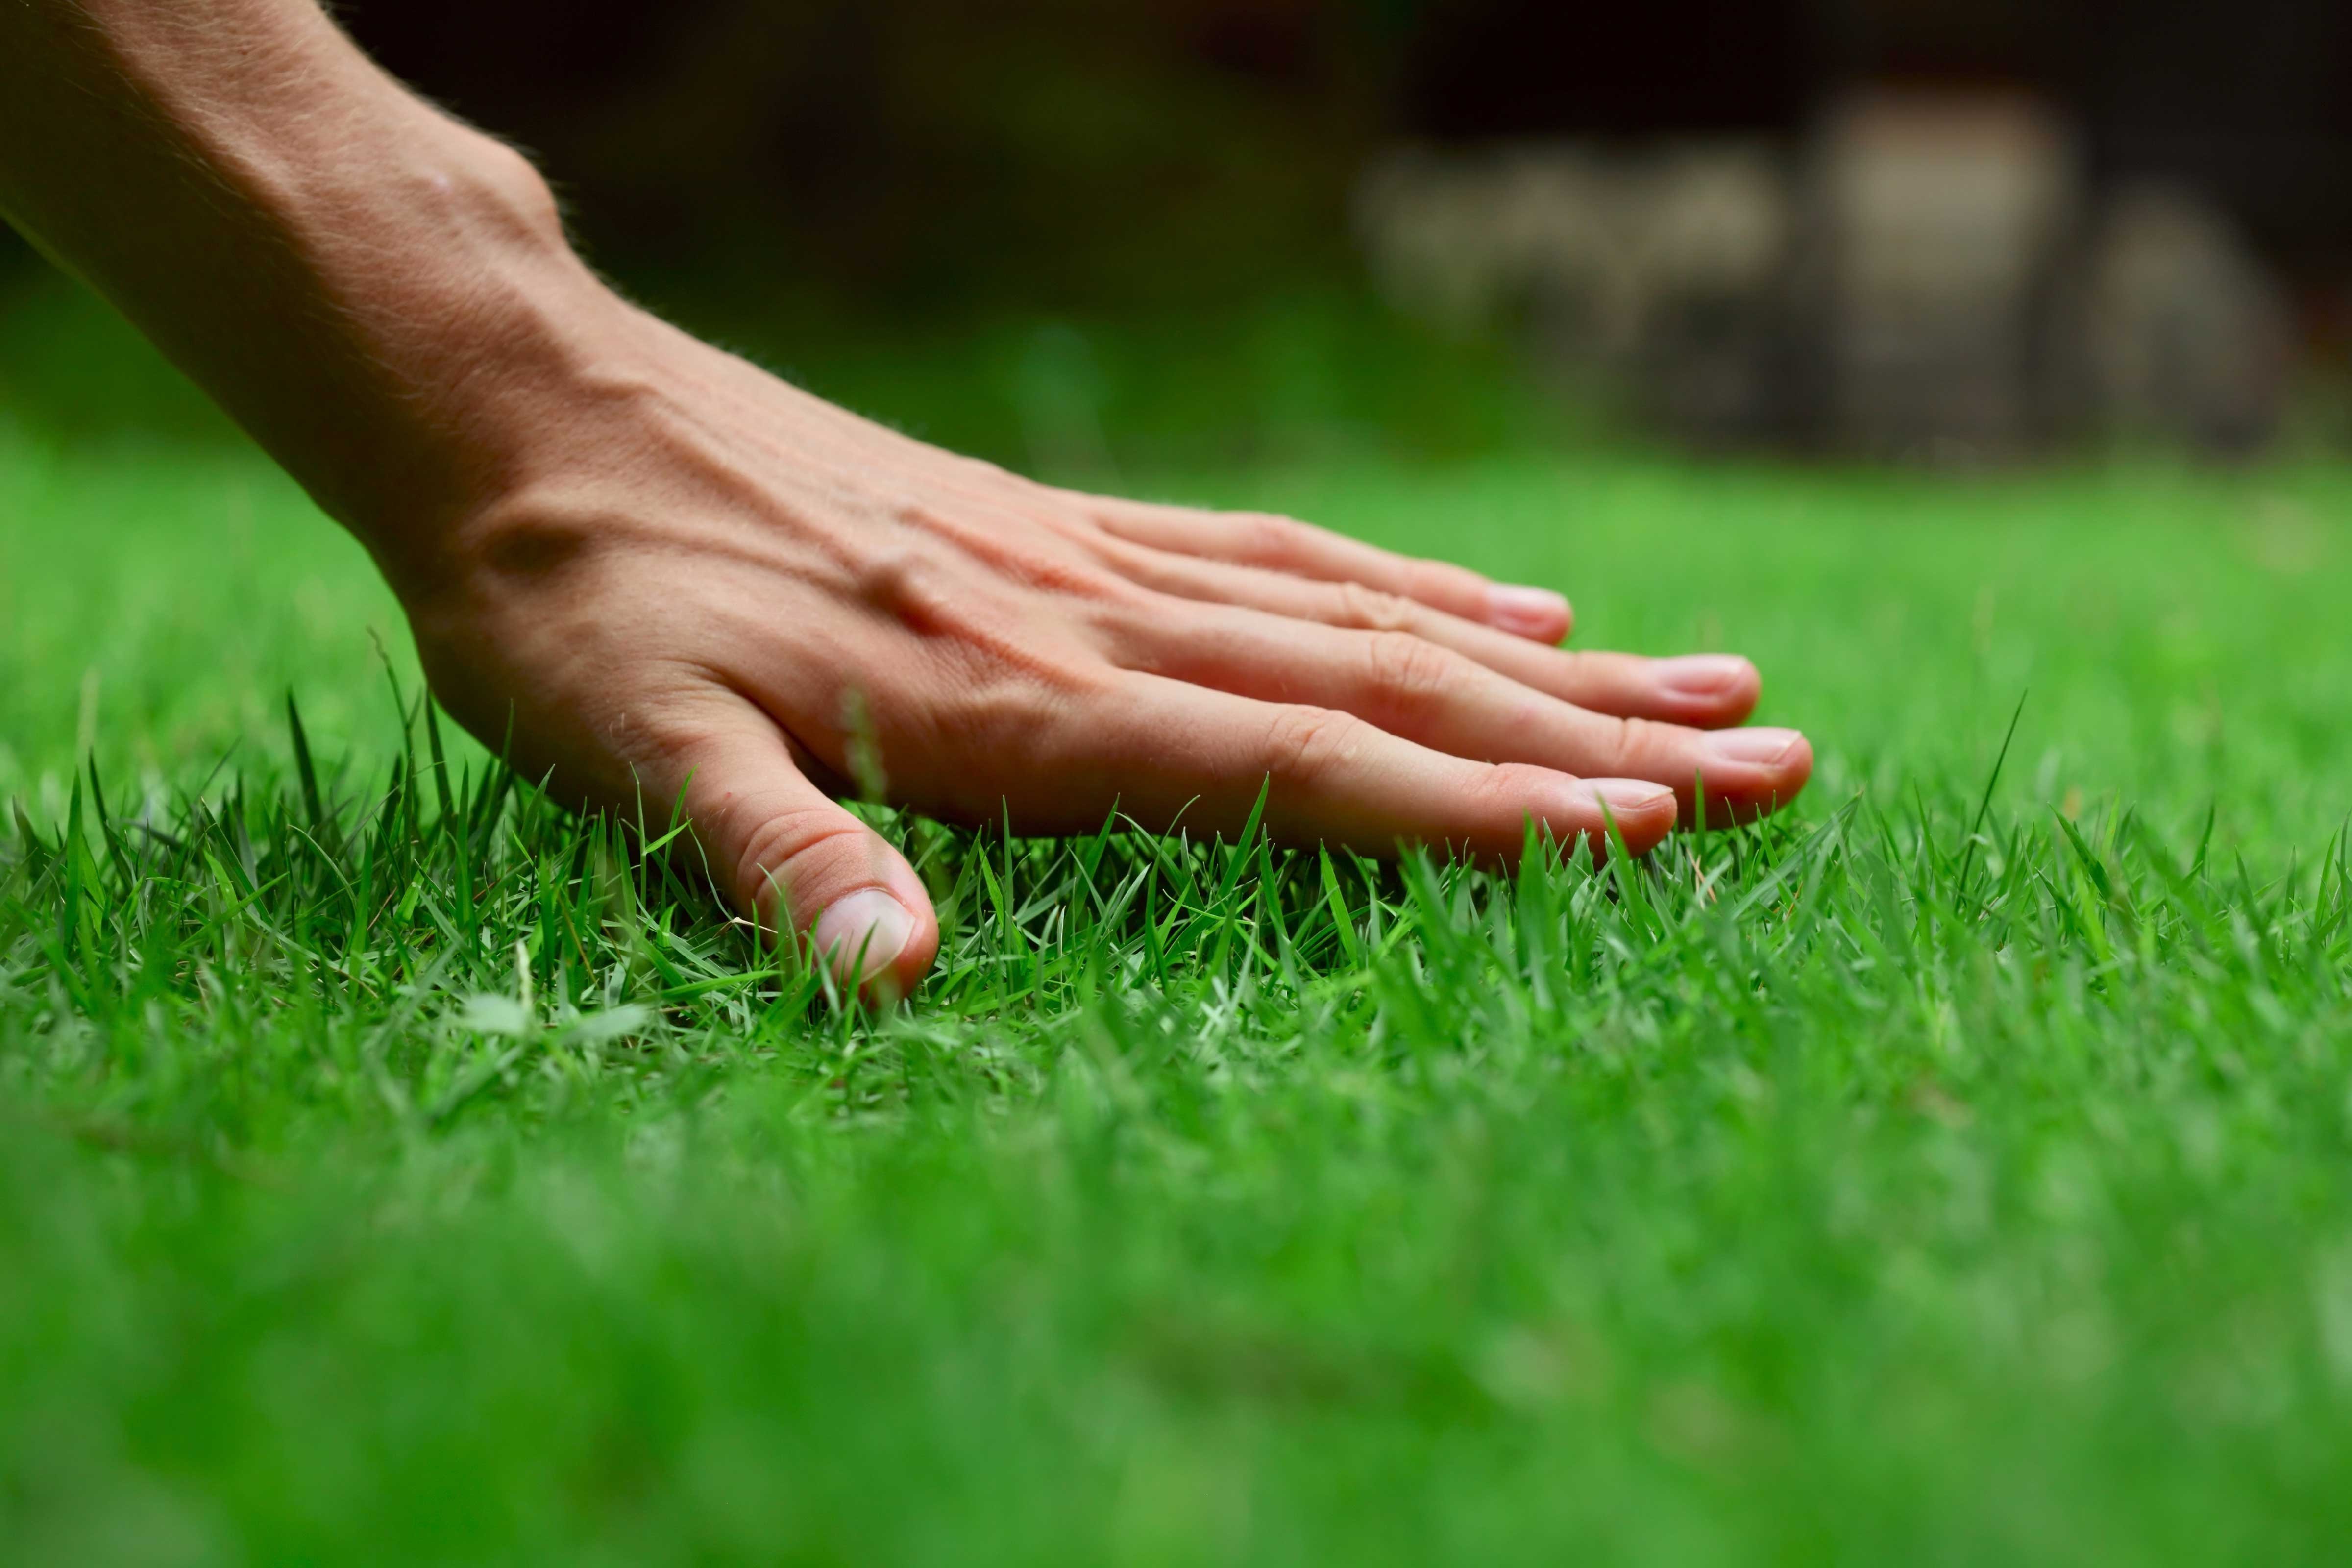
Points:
(791, 856)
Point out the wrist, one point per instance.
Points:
(436, 311)
(356, 277)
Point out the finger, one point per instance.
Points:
(1172, 752)
(794, 859)
(1302, 549)
(1442, 700)
(1706, 689)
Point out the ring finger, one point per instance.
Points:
(1709, 691)
(1438, 698)
(1283, 545)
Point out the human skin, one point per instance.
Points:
(652, 573)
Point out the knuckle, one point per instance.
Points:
(1150, 580)
(1634, 741)
(1511, 790)
(905, 587)
(1304, 744)
(1128, 624)
(1370, 609)
(1049, 549)
(1407, 671)
(1085, 584)
(893, 575)
(779, 851)
(1271, 540)
(1436, 582)
(911, 511)
(1570, 674)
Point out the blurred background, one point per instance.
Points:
(1080, 238)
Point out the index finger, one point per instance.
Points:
(1167, 749)
(1303, 550)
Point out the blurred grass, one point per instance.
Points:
(1903, 1195)
(1318, 372)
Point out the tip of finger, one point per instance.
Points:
(1707, 690)
(895, 982)
(1795, 769)
(878, 942)
(1535, 612)
(1767, 790)
(1643, 811)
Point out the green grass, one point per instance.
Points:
(394, 1170)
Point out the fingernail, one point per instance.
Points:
(1752, 746)
(1631, 794)
(865, 933)
(1702, 674)
(1529, 611)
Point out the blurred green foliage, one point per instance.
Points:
(1038, 154)
(1085, 398)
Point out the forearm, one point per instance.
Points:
(363, 282)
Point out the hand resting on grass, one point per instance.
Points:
(652, 572)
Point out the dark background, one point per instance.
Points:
(1061, 154)
(843, 186)
(1071, 154)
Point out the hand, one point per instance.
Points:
(692, 580)
(655, 574)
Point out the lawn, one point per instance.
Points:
(1959, 1170)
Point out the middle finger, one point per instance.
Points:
(1710, 690)
(1439, 698)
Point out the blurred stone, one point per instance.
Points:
(1712, 245)
(1942, 227)
(2190, 336)
(1469, 242)
(1662, 266)
(1930, 286)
